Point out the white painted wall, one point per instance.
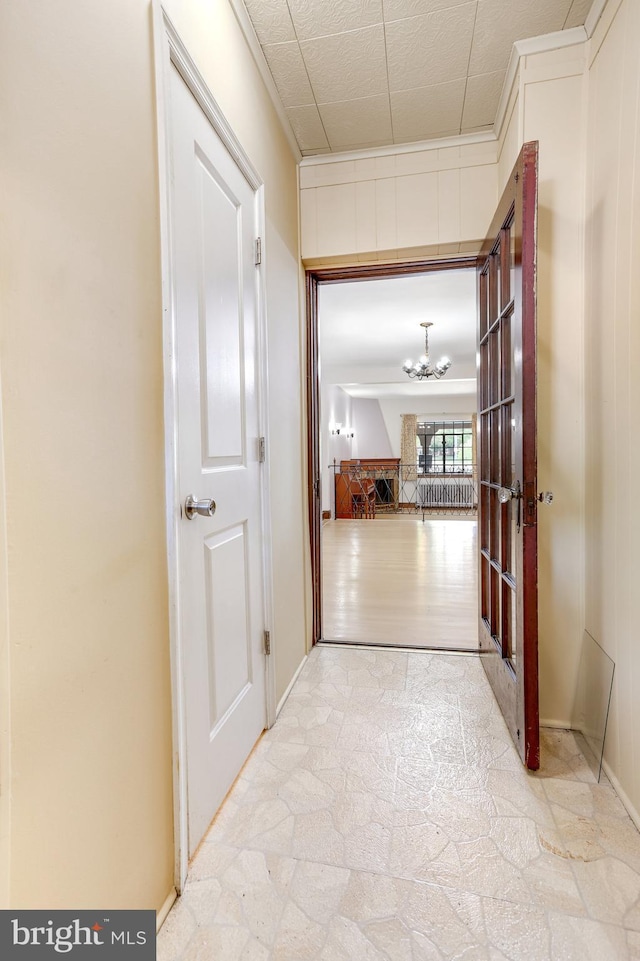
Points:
(371, 435)
(336, 408)
(612, 355)
(82, 398)
(437, 200)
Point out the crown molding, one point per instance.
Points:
(246, 26)
(311, 160)
(593, 17)
(522, 48)
(551, 41)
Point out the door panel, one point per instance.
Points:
(220, 318)
(507, 454)
(213, 229)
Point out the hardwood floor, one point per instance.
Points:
(399, 580)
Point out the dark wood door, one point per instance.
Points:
(508, 580)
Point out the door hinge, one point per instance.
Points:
(258, 259)
(267, 642)
(262, 450)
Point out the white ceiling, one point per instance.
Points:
(369, 328)
(367, 73)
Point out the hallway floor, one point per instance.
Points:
(387, 817)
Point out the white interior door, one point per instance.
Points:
(221, 597)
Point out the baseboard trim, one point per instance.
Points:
(161, 915)
(293, 680)
(632, 811)
(622, 794)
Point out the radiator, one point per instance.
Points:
(446, 492)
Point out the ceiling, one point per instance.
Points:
(368, 73)
(369, 328)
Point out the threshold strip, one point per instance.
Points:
(463, 651)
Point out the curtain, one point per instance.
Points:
(408, 435)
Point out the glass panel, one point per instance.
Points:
(505, 267)
(484, 376)
(483, 298)
(593, 696)
(445, 447)
(512, 260)
(496, 473)
(511, 651)
(496, 507)
(506, 442)
(509, 623)
(493, 289)
(496, 626)
(486, 592)
(505, 355)
(485, 447)
(498, 259)
(494, 366)
(484, 517)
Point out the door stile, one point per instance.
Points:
(506, 432)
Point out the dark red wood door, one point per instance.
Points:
(508, 580)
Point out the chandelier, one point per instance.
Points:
(422, 368)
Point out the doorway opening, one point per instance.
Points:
(392, 456)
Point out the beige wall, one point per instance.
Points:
(547, 105)
(612, 342)
(82, 395)
(430, 202)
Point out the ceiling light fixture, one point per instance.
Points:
(422, 368)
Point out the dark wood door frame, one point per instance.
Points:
(339, 275)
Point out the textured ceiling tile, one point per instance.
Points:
(399, 9)
(271, 20)
(578, 13)
(288, 71)
(481, 99)
(307, 127)
(356, 122)
(348, 65)
(431, 49)
(319, 18)
(495, 32)
(434, 111)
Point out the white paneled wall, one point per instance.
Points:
(441, 199)
(612, 350)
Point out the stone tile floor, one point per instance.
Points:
(387, 817)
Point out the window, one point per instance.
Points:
(445, 447)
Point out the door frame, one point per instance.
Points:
(314, 277)
(5, 689)
(170, 50)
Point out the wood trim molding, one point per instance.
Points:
(328, 275)
(313, 278)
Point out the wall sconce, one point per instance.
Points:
(336, 428)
